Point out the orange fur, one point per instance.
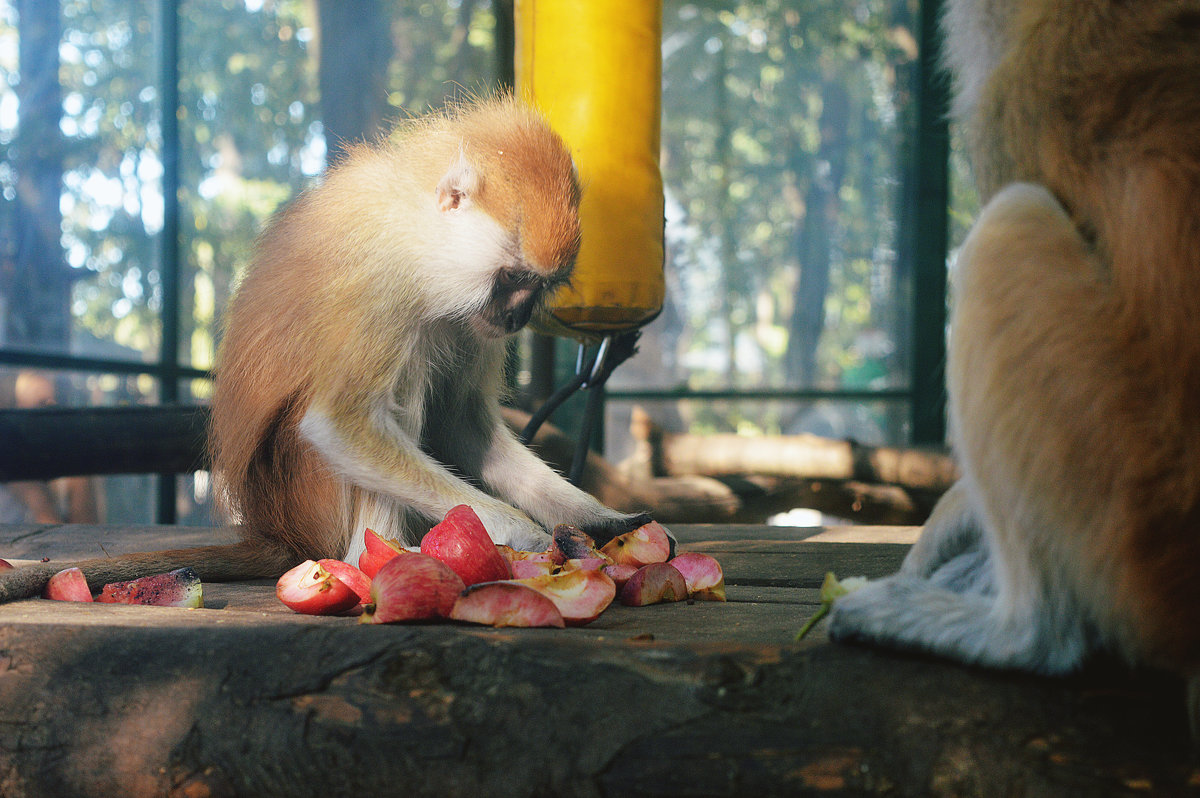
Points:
(1074, 362)
(1100, 103)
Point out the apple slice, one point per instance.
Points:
(585, 564)
(178, 588)
(620, 573)
(68, 584)
(412, 588)
(524, 569)
(5, 565)
(572, 543)
(350, 576)
(461, 542)
(703, 575)
(310, 589)
(505, 604)
(378, 551)
(656, 583)
(644, 545)
(580, 595)
(515, 555)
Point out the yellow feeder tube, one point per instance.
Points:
(594, 68)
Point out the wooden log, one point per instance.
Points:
(131, 702)
(806, 456)
(694, 498)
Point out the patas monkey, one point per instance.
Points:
(1074, 363)
(359, 375)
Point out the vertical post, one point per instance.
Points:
(168, 241)
(930, 246)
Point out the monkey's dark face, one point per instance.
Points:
(516, 294)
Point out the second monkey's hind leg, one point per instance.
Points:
(951, 542)
(986, 584)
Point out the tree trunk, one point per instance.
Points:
(39, 293)
(355, 48)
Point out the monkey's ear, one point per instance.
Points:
(458, 187)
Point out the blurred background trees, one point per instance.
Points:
(787, 156)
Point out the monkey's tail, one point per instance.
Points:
(227, 563)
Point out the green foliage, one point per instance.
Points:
(770, 105)
(250, 138)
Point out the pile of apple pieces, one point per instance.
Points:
(179, 588)
(461, 575)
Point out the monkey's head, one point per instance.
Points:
(509, 201)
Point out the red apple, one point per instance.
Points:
(312, 590)
(703, 575)
(377, 544)
(572, 543)
(68, 585)
(5, 565)
(379, 550)
(644, 545)
(620, 573)
(580, 595)
(411, 588)
(524, 569)
(505, 604)
(350, 576)
(655, 583)
(461, 542)
(178, 588)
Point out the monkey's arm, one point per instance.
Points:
(369, 448)
(520, 477)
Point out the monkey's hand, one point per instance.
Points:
(605, 529)
(509, 527)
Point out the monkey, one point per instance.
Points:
(360, 371)
(1073, 366)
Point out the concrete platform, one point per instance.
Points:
(246, 698)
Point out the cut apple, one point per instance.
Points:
(585, 564)
(644, 545)
(68, 584)
(5, 565)
(655, 583)
(620, 573)
(524, 569)
(178, 588)
(377, 544)
(703, 575)
(310, 589)
(462, 542)
(515, 555)
(351, 577)
(412, 588)
(505, 604)
(580, 595)
(378, 551)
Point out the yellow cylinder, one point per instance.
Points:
(594, 68)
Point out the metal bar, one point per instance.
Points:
(930, 245)
(46, 360)
(168, 240)
(758, 395)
